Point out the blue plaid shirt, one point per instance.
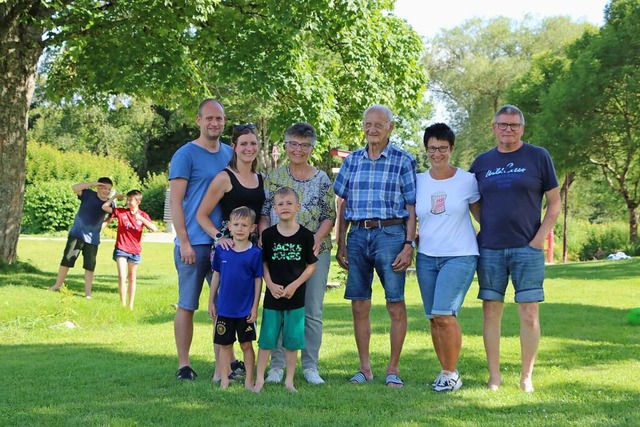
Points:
(377, 188)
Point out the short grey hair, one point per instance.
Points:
(509, 109)
(386, 110)
(303, 130)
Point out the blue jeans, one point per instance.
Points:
(444, 282)
(191, 277)
(525, 265)
(370, 249)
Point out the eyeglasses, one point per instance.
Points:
(240, 128)
(301, 145)
(442, 149)
(514, 126)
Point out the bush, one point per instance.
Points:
(49, 207)
(50, 204)
(153, 195)
(604, 239)
(45, 163)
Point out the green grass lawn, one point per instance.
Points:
(117, 367)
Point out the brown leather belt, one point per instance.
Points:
(377, 223)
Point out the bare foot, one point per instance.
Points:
(291, 388)
(249, 385)
(494, 383)
(258, 387)
(527, 386)
(54, 288)
(224, 384)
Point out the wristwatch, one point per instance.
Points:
(410, 242)
(217, 237)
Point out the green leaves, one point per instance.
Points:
(317, 61)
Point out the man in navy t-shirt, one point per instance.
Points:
(512, 179)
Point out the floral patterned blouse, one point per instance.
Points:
(316, 195)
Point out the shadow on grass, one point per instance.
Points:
(71, 384)
(25, 274)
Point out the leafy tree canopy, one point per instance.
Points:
(472, 66)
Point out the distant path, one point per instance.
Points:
(146, 237)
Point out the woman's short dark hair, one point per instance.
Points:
(441, 132)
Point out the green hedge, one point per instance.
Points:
(49, 201)
(153, 195)
(49, 207)
(45, 163)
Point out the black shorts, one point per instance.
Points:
(226, 329)
(73, 249)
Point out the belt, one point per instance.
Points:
(377, 223)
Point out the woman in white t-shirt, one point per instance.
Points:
(447, 247)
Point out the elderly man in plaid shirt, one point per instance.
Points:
(378, 185)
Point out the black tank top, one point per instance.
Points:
(242, 196)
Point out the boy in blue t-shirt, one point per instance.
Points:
(235, 294)
(84, 236)
(289, 261)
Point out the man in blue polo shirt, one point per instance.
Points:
(378, 186)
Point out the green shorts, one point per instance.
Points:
(289, 322)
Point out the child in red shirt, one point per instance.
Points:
(131, 221)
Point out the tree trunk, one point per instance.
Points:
(633, 222)
(20, 47)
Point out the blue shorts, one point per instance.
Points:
(525, 265)
(191, 277)
(372, 249)
(132, 258)
(289, 322)
(444, 282)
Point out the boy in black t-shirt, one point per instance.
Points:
(288, 262)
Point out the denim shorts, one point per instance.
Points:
(525, 265)
(372, 249)
(289, 322)
(191, 277)
(132, 258)
(444, 282)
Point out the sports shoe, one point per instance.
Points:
(449, 382)
(433, 384)
(275, 375)
(312, 376)
(186, 373)
(237, 368)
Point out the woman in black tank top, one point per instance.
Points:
(238, 185)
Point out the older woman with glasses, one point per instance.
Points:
(318, 215)
(447, 248)
(239, 184)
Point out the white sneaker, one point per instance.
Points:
(275, 375)
(437, 380)
(312, 376)
(450, 382)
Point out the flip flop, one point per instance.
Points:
(394, 379)
(359, 378)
